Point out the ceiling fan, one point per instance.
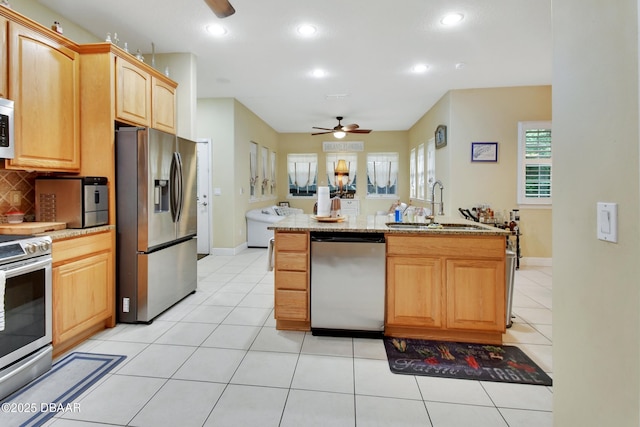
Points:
(339, 131)
(222, 8)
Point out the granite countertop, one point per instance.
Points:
(378, 224)
(68, 233)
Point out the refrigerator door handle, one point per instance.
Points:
(180, 178)
(173, 187)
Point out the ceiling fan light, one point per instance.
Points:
(451, 18)
(339, 134)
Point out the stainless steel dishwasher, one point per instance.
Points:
(347, 284)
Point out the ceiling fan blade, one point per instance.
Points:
(352, 126)
(322, 133)
(314, 127)
(222, 8)
(358, 131)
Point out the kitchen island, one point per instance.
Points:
(441, 283)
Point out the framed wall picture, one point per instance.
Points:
(441, 136)
(484, 151)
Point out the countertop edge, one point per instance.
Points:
(377, 224)
(69, 233)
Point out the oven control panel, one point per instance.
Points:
(23, 247)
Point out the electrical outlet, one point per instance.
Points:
(15, 198)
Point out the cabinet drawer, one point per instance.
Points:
(291, 280)
(292, 241)
(296, 261)
(449, 246)
(291, 305)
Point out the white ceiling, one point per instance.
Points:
(367, 48)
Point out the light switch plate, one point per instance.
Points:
(608, 222)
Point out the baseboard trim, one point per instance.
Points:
(536, 262)
(229, 251)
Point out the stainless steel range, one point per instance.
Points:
(25, 310)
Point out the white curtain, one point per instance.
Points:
(421, 177)
(382, 170)
(273, 172)
(253, 166)
(302, 169)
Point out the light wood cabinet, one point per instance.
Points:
(83, 288)
(446, 287)
(133, 93)
(475, 294)
(292, 280)
(163, 111)
(414, 291)
(144, 99)
(4, 67)
(44, 84)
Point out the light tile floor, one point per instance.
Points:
(216, 359)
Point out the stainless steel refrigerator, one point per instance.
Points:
(156, 217)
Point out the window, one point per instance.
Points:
(265, 170)
(534, 163)
(253, 169)
(421, 172)
(382, 175)
(430, 173)
(412, 174)
(273, 173)
(303, 174)
(348, 182)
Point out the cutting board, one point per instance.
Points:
(31, 227)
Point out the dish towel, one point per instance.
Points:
(3, 281)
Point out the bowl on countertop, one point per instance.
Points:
(14, 217)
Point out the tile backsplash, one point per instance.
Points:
(17, 181)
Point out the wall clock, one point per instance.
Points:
(441, 136)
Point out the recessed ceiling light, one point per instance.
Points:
(306, 30)
(420, 68)
(318, 73)
(451, 18)
(460, 65)
(216, 30)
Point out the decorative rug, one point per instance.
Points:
(53, 392)
(500, 363)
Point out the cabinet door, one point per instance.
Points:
(44, 83)
(82, 295)
(414, 291)
(133, 93)
(476, 295)
(4, 67)
(163, 113)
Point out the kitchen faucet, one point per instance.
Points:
(433, 199)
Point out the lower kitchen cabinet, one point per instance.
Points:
(414, 291)
(292, 281)
(83, 288)
(446, 287)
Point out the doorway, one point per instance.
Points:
(204, 197)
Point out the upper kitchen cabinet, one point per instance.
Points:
(133, 93)
(142, 98)
(4, 68)
(163, 113)
(44, 84)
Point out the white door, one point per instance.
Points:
(204, 196)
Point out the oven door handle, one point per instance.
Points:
(27, 267)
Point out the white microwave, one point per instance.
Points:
(6, 129)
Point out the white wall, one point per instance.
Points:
(596, 285)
